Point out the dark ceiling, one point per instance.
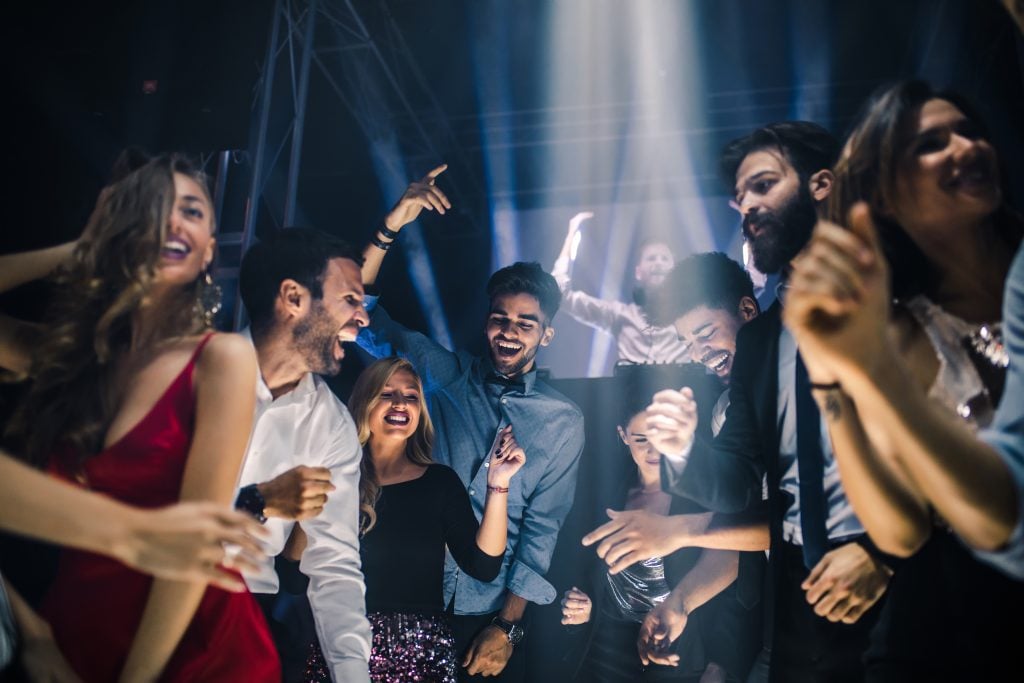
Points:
(534, 102)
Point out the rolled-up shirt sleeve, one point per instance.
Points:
(545, 512)
(331, 561)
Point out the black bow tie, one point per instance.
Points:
(510, 382)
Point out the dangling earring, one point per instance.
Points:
(208, 298)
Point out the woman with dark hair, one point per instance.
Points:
(134, 397)
(918, 170)
(612, 613)
(411, 509)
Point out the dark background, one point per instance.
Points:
(542, 108)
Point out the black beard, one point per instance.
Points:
(314, 338)
(515, 370)
(782, 234)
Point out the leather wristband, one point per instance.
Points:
(380, 244)
(390, 234)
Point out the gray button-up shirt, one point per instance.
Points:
(469, 405)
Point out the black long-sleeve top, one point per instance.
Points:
(403, 554)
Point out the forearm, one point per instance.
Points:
(37, 505)
(963, 478)
(713, 573)
(169, 609)
(514, 607)
(30, 625)
(725, 533)
(491, 537)
(17, 269)
(373, 258)
(886, 500)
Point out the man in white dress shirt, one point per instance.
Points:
(304, 295)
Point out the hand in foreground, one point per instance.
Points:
(672, 420)
(187, 542)
(846, 583)
(300, 493)
(421, 194)
(507, 459)
(837, 303)
(636, 535)
(661, 627)
(488, 653)
(576, 606)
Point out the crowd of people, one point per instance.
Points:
(844, 502)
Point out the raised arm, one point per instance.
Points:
(480, 554)
(181, 542)
(225, 381)
(838, 309)
(18, 269)
(17, 337)
(421, 194)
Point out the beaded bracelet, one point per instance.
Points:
(497, 489)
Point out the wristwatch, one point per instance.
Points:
(514, 632)
(251, 500)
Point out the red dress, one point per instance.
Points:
(95, 604)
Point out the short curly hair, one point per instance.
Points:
(530, 278)
(711, 279)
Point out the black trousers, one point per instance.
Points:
(808, 648)
(465, 627)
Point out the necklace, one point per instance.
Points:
(987, 342)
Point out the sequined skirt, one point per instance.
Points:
(406, 647)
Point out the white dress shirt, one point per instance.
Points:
(310, 426)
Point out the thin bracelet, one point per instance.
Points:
(497, 489)
(830, 386)
(380, 244)
(388, 233)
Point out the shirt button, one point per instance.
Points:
(487, 463)
(472, 492)
(505, 401)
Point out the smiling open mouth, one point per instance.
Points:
(716, 362)
(398, 419)
(507, 349)
(175, 249)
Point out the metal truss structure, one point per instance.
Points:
(376, 78)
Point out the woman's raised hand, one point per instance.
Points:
(506, 459)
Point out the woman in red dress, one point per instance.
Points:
(134, 397)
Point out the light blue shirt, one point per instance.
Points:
(468, 408)
(842, 522)
(1006, 434)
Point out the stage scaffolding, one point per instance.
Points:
(374, 75)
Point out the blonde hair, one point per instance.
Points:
(364, 398)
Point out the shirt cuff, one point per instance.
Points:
(350, 669)
(678, 460)
(529, 585)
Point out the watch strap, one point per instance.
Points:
(251, 500)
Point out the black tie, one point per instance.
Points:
(810, 466)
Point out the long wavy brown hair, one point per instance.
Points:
(73, 396)
(364, 398)
(870, 165)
